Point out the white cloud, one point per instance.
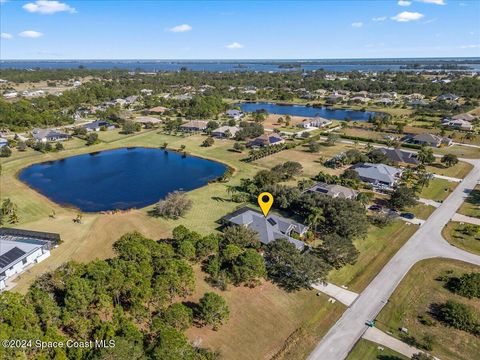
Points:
(180, 28)
(48, 7)
(31, 34)
(404, 3)
(357, 24)
(436, 2)
(407, 16)
(6, 36)
(234, 45)
(471, 46)
(380, 18)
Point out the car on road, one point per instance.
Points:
(375, 208)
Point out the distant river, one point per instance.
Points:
(213, 65)
(307, 111)
(119, 179)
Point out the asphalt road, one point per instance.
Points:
(426, 243)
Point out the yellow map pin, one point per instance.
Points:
(265, 200)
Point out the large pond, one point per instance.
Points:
(119, 179)
(307, 111)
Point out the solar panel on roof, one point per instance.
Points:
(10, 256)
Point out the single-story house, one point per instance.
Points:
(384, 101)
(157, 110)
(360, 99)
(399, 156)
(22, 248)
(458, 124)
(464, 117)
(447, 97)
(377, 174)
(98, 124)
(430, 140)
(194, 125)
(266, 140)
(131, 99)
(45, 135)
(10, 95)
(222, 131)
(270, 228)
(147, 120)
(333, 190)
(146, 92)
(234, 114)
(317, 122)
(3, 142)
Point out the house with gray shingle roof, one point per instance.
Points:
(270, 228)
(333, 190)
(377, 174)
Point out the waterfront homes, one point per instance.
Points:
(194, 125)
(157, 110)
(270, 228)
(98, 125)
(333, 190)
(266, 140)
(459, 124)
(45, 135)
(399, 156)
(147, 121)
(379, 175)
(430, 140)
(225, 131)
(234, 114)
(22, 248)
(317, 122)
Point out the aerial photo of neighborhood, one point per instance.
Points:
(240, 180)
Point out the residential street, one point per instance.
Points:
(426, 243)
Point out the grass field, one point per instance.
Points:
(312, 162)
(412, 299)
(438, 189)
(266, 321)
(467, 152)
(453, 234)
(375, 251)
(460, 170)
(471, 206)
(421, 211)
(367, 350)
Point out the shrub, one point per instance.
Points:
(174, 206)
(459, 316)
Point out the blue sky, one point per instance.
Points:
(139, 29)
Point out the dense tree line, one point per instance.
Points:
(131, 299)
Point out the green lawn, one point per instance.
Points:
(413, 297)
(438, 189)
(421, 211)
(453, 233)
(367, 350)
(471, 206)
(375, 251)
(461, 151)
(460, 170)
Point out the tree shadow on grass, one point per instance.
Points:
(474, 197)
(388, 357)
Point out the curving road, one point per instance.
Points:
(426, 243)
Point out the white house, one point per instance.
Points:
(22, 248)
(317, 122)
(45, 135)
